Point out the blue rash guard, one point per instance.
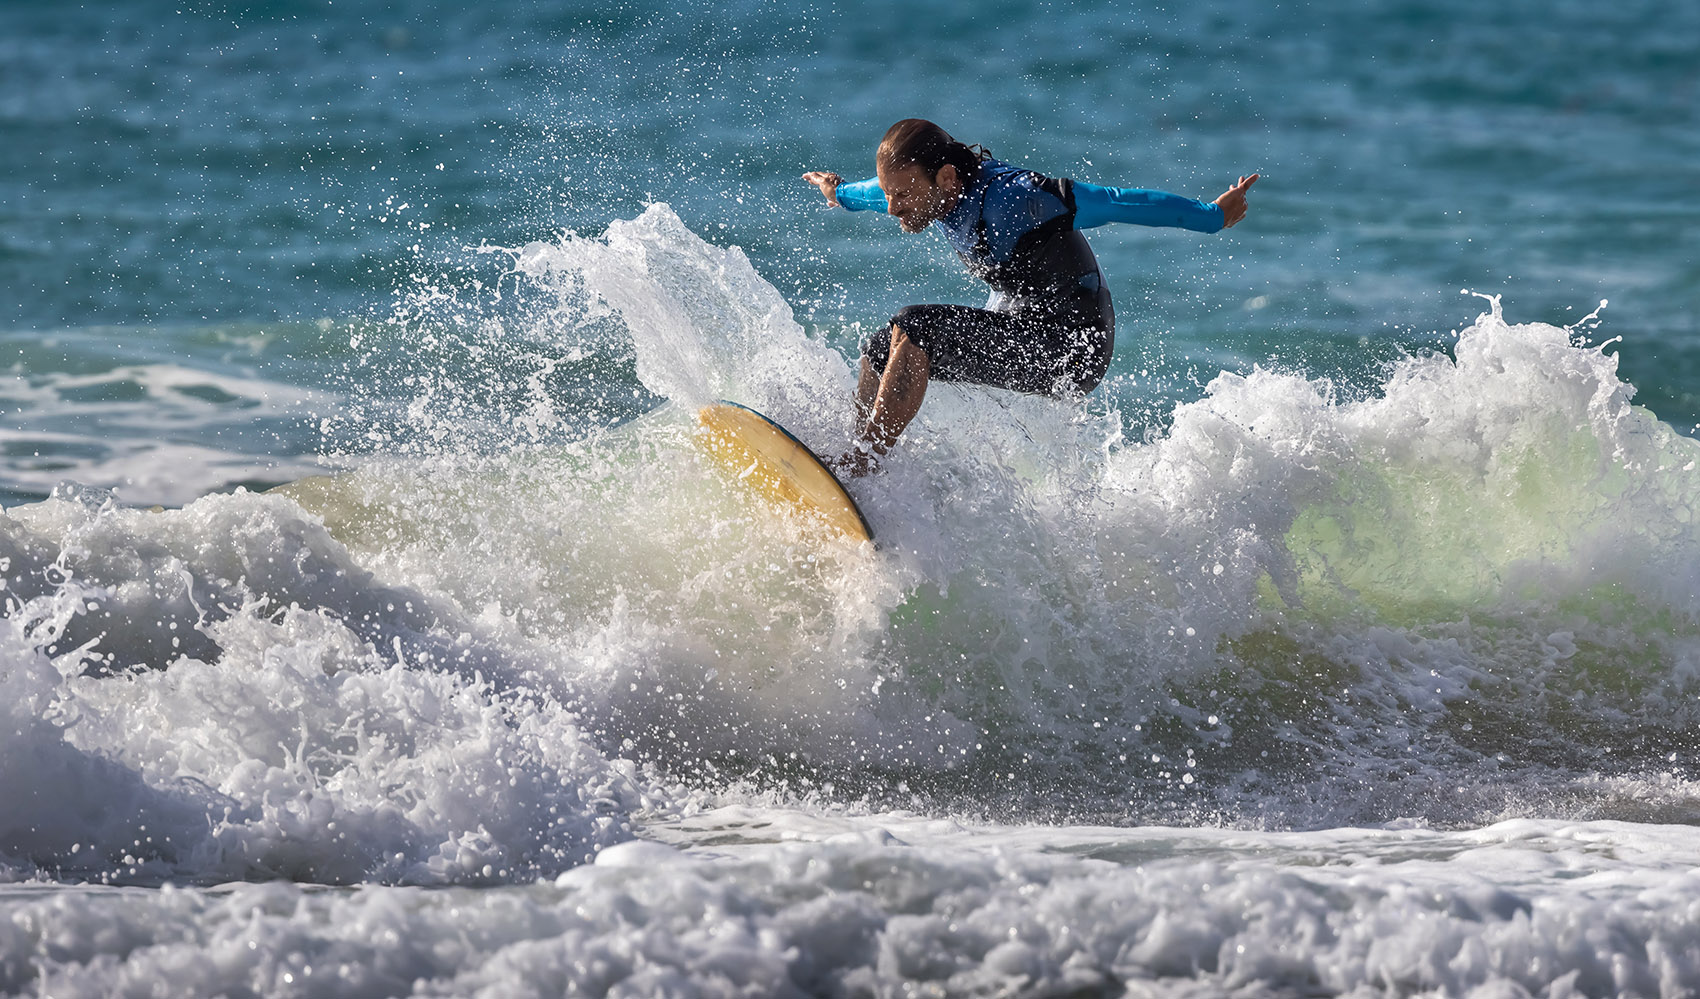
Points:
(1094, 205)
(1049, 325)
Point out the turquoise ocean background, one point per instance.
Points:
(1346, 641)
(213, 183)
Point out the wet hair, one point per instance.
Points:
(916, 141)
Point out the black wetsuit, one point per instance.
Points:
(1049, 327)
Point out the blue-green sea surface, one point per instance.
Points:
(373, 625)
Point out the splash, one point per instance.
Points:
(1496, 534)
(220, 693)
(1468, 595)
(703, 323)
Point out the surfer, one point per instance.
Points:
(1048, 328)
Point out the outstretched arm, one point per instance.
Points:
(863, 195)
(1096, 206)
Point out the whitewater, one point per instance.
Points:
(1289, 689)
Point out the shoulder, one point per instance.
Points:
(1018, 195)
(999, 176)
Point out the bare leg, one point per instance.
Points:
(901, 390)
(885, 404)
(867, 389)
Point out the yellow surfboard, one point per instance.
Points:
(763, 455)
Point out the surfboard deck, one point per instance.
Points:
(766, 458)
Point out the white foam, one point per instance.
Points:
(704, 323)
(1050, 579)
(300, 718)
(1191, 912)
(1287, 608)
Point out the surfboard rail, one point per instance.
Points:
(769, 459)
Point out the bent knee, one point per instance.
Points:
(904, 331)
(911, 324)
(909, 316)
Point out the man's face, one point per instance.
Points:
(916, 199)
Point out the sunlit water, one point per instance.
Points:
(1347, 641)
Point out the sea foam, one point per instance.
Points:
(1285, 607)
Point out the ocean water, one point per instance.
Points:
(1346, 641)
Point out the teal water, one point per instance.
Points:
(1344, 642)
(166, 169)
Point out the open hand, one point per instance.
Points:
(1232, 201)
(828, 183)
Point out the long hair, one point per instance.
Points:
(916, 141)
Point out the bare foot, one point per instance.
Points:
(855, 463)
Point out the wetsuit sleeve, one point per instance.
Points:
(862, 196)
(1094, 206)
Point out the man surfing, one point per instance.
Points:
(1048, 328)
